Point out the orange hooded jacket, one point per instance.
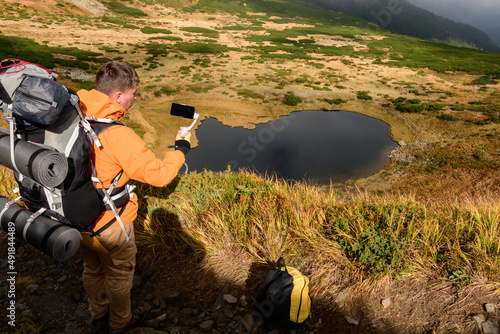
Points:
(123, 149)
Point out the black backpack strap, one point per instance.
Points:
(108, 224)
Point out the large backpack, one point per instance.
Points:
(42, 111)
(284, 297)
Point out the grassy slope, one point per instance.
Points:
(432, 213)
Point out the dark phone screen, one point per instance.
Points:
(182, 110)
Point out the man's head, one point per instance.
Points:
(119, 82)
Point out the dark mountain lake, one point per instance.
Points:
(317, 146)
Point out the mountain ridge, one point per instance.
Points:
(402, 17)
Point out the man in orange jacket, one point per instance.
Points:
(109, 266)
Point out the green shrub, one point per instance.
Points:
(363, 95)
(169, 91)
(333, 101)
(410, 108)
(201, 47)
(291, 99)
(484, 80)
(448, 117)
(434, 107)
(120, 8)
(150, 30)
(458, 107)
(251, 94)
(26, 49)
(200, 89)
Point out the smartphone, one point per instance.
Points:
(182, 110)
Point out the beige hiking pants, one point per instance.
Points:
(107, 278)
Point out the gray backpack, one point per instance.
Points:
(44, 116)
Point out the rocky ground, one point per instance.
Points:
(50, 298)
(182, 299)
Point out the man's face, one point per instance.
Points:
(126, 98)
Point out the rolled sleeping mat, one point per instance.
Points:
(53, 238)
(45, 166)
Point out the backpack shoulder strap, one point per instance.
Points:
(101, 124)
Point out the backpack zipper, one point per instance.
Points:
(300, 303)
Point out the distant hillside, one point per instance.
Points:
(494, 34)
(407, 19)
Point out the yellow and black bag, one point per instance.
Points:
(284, 297)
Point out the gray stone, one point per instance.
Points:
(230, 299)
(351, 320)
(62, 279)
(220, 299)
(386, 302)
(243, 301)
(479, 319)
(207, 325)
(490, 327)
(228, 311)
(176, 330)
(490, 308)
(171, 296)
(187, 312)
(248, 321)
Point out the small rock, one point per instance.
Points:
(207, 326)
(230, 299)
(386, 302)
(248, 321)
(243, 301)
(187, 312)
(490, 308)
(490, 327)
(342, 298)
(351, 320)
(176, 330)
(402, 143)
(162, 317)
(220, 299)
(479, 319)
(228, 312)
(171, 296)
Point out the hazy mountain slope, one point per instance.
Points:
(405, 18)
(494, 34)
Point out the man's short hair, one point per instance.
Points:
(115, 76)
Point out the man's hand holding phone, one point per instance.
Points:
(183, 144)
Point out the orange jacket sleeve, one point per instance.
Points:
(124, 149)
